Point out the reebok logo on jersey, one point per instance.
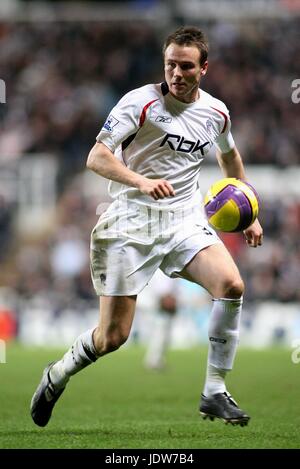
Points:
(164, 119)
(110, 123)
(178, 143)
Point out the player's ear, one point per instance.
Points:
(204, 68)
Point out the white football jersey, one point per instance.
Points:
(160, 137)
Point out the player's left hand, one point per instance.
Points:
(254, 234)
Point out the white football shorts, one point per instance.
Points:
(130, 242)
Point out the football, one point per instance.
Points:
(231, 205)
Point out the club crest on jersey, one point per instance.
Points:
(179, 143)
(110, 123)
(209, 126)
(164, 119)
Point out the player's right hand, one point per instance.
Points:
(156, 188)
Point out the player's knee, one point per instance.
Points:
(233, 288)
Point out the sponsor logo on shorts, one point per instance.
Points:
(103, 278)
(206, 231)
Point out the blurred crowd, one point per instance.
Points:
(63, 78)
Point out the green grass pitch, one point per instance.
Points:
(116, 403)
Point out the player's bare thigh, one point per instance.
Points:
(214, 269)
(116, 317)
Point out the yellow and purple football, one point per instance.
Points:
(231, 205)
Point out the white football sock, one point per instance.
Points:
(81, 354)
(223, 336)
(215, 381)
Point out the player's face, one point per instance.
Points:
(183, 71)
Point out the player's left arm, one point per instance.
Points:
(232, 166)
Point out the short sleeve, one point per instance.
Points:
(122, 121)
(225, 142)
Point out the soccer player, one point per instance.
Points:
(151, 148)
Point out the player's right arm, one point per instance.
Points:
(123, 122)
(103, 162)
